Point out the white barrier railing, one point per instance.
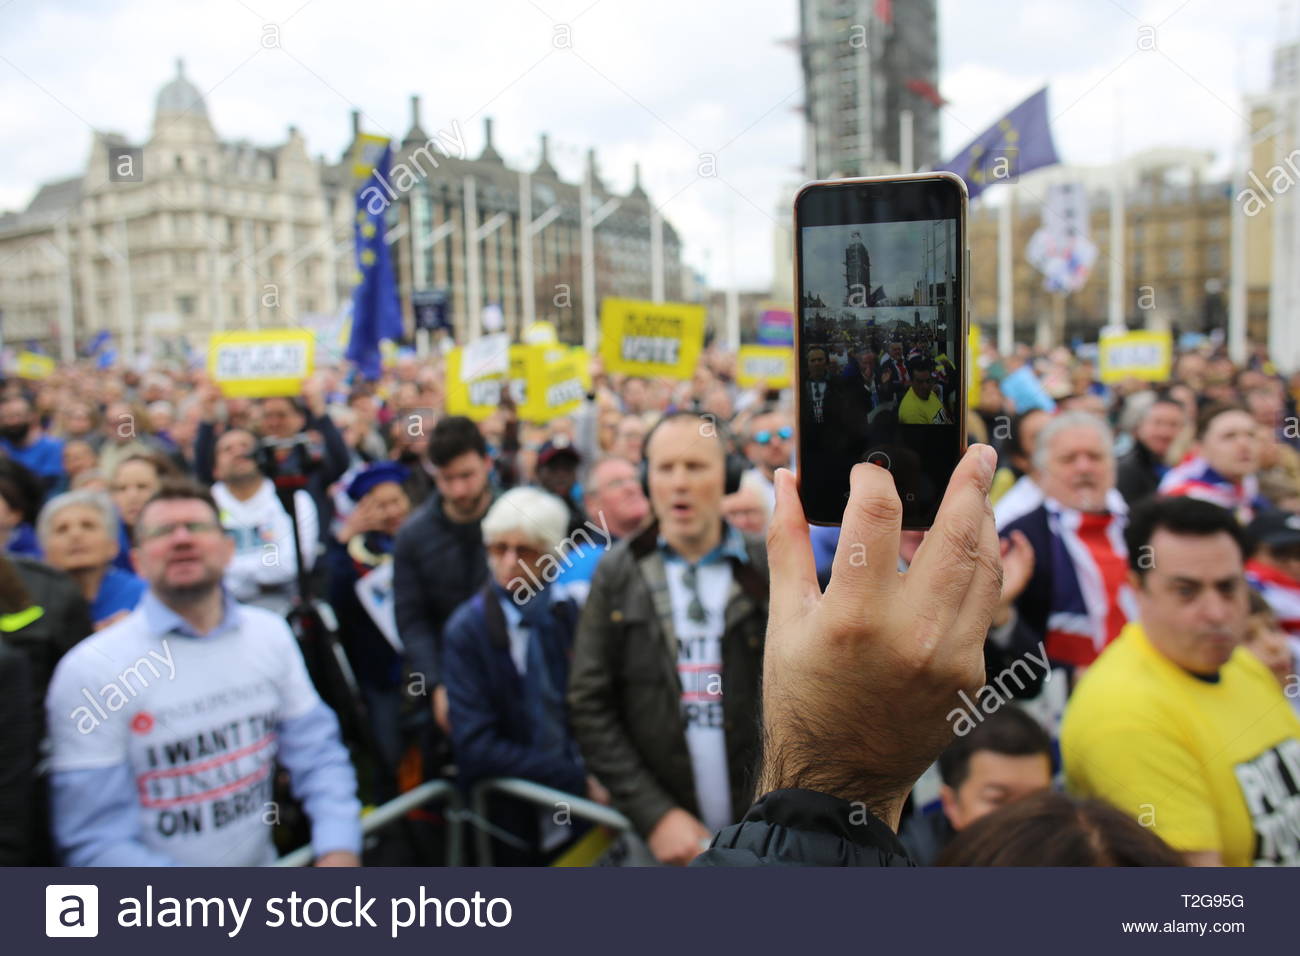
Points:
(441, 791)
(536, 793)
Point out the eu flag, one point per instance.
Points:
(1019, 142)
(376, 313)
(101, 341)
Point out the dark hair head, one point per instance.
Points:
(921, 363)
(1054, 829)
(295, 404)
(1212, 411)
(1164, 398)
(1181, 515)
(178, 489)
(453, 437)
(21, 489)
(1015, 444)
(1009, 731)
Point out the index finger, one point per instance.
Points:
(789, 551)
(866, 557)
(942, 569)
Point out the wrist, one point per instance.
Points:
(882, 795)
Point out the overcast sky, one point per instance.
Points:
(894, 249)
(662, 83)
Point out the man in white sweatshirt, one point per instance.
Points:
(263, 569)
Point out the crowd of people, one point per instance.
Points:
(587, 604)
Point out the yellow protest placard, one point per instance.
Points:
(33, 365)
(582, 358)
(973, 364)
(555, 386)
(654, 339)
(478, 396)
(366, 153)
(261, 364)
(770, 364)
(1147, 356)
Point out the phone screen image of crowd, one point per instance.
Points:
(880, 340)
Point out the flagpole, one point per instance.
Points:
(1237, 265)
(656, 254)
(588, 265)
(419, 274)
(1115, 312)
(1006, 317)
(1288, 355)
(473, 290)
(525, 240)
(67, 347)
(732, 341)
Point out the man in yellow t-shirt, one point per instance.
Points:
(921, 405)
(1176, 723)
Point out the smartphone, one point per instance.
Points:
(881, 337)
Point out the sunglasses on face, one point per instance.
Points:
(785, 433)
(158, 532)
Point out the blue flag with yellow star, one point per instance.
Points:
(376, 313)
(1019, 142)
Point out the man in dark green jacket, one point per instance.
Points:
(664, 688)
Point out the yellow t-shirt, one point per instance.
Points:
(1003, 479)
(1207, 766)
(913, 411)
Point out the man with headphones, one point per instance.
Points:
(664, 689)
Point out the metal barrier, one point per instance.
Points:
(385, 815)
(536, 793)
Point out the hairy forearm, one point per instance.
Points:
(833, 759)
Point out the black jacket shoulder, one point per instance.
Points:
(64, 620)
(806, 828)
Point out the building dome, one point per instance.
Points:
(181, 96)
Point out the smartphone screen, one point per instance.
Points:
(881, 338)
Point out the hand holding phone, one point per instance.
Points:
(881, 338)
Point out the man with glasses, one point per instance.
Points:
(768, 449)
(166, 727)
(663, 694)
